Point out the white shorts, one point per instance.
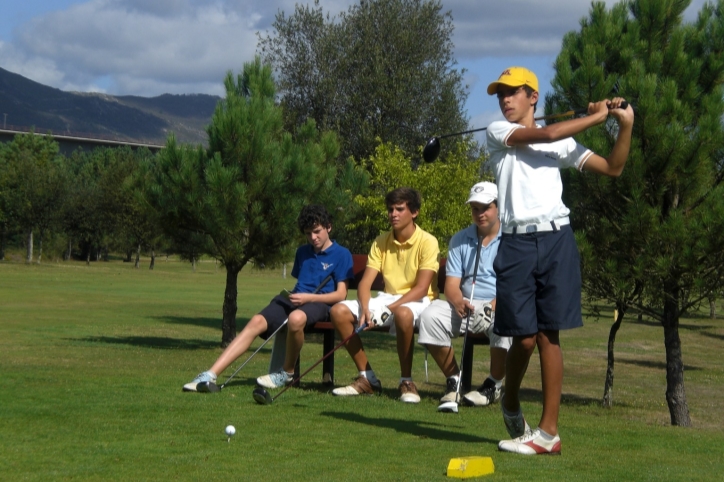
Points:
(440, 323)
(385, 299)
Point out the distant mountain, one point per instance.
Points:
(128, 118)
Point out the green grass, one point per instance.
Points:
(93, 359)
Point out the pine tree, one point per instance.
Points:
(652, 239)
(238, 200)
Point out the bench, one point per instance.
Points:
(327, 330)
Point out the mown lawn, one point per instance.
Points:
(93, 359)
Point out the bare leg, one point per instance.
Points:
(256, 326)
(404, 324)
(444, 356)
(295, 338)
(516, 364)
(497, 362)
(344, 322)
(551, 367)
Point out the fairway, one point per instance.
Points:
(93, 359)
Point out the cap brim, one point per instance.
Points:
(493, 87)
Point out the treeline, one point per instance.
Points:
(82, 206)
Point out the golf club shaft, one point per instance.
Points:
(580, 111)
(467, 322)
(295, 381)
(316, 290)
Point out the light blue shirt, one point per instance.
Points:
(461, 263)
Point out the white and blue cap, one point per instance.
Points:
(483, 193)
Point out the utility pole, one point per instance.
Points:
(5, 121)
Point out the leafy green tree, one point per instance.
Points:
(444, 187)
(239, 199)
(383, 69)
(35, 186)
(652, 239)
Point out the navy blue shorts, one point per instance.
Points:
(277, 311)
(538, 284)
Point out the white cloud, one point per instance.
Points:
(144, 47)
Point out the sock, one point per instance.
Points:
(214, 375)
(455, 377)
(498, 383)
(546, 436)
(405, 379)
(369, 375)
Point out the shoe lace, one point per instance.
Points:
(452, 385)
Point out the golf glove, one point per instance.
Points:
(483, 320)
(381, 316)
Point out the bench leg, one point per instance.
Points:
(467, 367)
(279, 351)
(328, 364)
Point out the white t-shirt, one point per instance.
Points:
(528, 176)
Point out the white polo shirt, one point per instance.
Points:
(528, 176)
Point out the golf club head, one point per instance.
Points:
(207, 387)
(262, 397)
(431, 150)
(448, 407)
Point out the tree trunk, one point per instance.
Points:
(69, 252)
(29, 247)
(138, 256)
(193, 264)
(87, 257)
(40, 247)
(608, 385)
(712, 307)
(228, 324)
(2, 241)
(153, 258)
(129, 256)
(675, 393)
(284, 271)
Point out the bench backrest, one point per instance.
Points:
(360, 263)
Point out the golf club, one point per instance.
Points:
(432, 148)
(211, 387)
(262, 397)
(453, 406)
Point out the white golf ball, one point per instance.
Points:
(230, 430)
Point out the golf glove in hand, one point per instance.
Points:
(381, 316)
(483, 320)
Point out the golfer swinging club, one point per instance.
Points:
(537, 268)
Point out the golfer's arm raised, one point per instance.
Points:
(613, 165)
(417, 292)
(597, 114)
(454, 296)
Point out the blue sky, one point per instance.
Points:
(151, 47)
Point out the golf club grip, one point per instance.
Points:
(294, 382)
(321, 285)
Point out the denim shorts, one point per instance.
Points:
(279, 308)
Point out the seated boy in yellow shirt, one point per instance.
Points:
(407, 257)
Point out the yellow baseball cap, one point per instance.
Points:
(515, 77)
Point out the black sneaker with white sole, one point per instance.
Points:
(487, 394)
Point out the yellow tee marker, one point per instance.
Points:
(467, 467)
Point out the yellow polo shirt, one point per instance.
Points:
(400, 262)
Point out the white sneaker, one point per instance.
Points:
(408, 392)
(485, 395)
(207, 376)
(275, 380)
(533, 443)
(360, 386)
